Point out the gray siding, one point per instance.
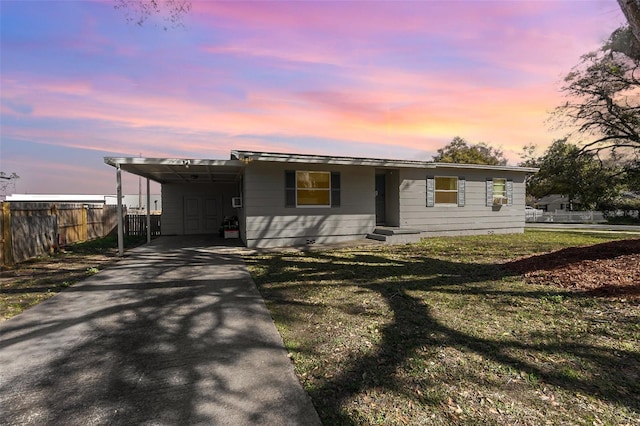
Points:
(474, 218)
(173, 207)
(270, 224)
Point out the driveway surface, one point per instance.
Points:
(175, 333)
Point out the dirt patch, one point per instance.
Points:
(608, 269)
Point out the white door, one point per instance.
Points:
(211, 219)
(192, 216)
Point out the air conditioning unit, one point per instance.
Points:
(236, 202)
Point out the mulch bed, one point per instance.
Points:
(608, 269)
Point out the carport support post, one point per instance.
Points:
(119, 210)
(148, 213)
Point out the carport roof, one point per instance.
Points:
(180, 170)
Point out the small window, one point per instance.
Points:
(446, 190)
(500, 192)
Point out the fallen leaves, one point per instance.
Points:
(608, 269)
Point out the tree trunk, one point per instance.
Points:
(631, 10)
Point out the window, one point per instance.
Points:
(499, 192)
(312, 189)
(445, 190)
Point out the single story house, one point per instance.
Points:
(553, 203)
(295, 199)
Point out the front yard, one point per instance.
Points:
(443, 332)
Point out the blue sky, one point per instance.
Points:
(394, 79)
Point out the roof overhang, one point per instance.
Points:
(180, 170)
(248, 156)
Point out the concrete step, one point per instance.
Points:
(395, 235)
(378, 237)
(395, 231)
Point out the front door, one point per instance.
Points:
(381, 185)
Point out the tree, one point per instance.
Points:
(6, 180)
(582, 177)
(631, 10)
(170, 11)
(603, 93)
(460, 151)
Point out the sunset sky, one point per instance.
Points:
(391, 79)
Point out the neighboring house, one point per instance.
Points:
(133, 202)
(553, 203)
(295, 199)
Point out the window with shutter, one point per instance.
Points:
(312, 189)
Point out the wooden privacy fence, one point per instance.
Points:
(31, 229)
(136, 225)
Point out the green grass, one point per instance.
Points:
(439, 333)
(105, 245)
(29, 283)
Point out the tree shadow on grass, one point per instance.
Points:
(406, 286)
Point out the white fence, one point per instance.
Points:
(561, 216)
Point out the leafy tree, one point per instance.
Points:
(582, 177)
(603, 93)
(460, 151)
(170, 11)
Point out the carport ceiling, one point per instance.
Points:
(178, 170)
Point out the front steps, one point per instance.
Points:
(393, 235)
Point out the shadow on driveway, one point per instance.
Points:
(175, 333)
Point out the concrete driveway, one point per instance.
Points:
(174, 334)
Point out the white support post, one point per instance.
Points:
(148, 213)
(119, 210)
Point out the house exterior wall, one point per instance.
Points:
(475, 217)
(268, 223)
(173, 206)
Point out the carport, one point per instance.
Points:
(174, 171)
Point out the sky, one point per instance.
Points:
(383, 79)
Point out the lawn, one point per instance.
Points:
(29, 283)
(440, 332)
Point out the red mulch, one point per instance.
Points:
(608, 269)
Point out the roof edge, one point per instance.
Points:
(115, 161)
(247, 156)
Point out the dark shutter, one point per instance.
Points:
(461, 190)
(335, 189)
(431, 191)
(289, 188)
(489, 192)
(509, 192)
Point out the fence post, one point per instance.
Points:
(6, 231)
(83, 226)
